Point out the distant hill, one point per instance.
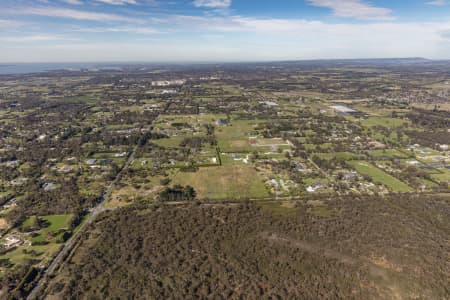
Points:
(379, 60)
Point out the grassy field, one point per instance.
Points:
(343, 155)
(165, 121)
(119, 127)
(29, 222)
(18, 256)
(384, 122)
(55, 228)
(172, 142)
(197, 122)
(376, 110)
(3, 223)
(286, 208)
(442, 177)
(431, 106)
(394, 153)
(428, 183)
(231, 90)
(223, 182)
(235, 137)
(273, 141)
(56, 223)
(380, 176)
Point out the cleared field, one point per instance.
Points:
(165, 121)
(428, 183)
(234, 137)
(171, 142)
(57, 221)
(227, 89)
(123, 196)
(269, 142)
(431, 106)
(376, 110)
(3, 223)
(223, 182)
(119, 127)
(379, 176)
(392, 138)
(343, 155)
(55, 228)
(45, 241)
(384, 122)
(442, 177)
(179, 127)
(44, 252)
(388, 153)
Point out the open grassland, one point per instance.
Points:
(233, 182)
(45, 242)
(167, 120)
(179, 127)
(119, 127)
(232, 90)
(339, 155)
(54, 228)
(432, 106)
(443, 177)
(384, 122)
(3, 223)
(235, 137)
(57, 221)
(380, 176)
(172, 142)
(22, 254)
(123, 196)
(388, 153)
(270, 142)
(378, 111)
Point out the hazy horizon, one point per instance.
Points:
(50, 31)
(175, 62)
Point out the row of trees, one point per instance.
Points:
(177, 193)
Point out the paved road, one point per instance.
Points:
(69, 245)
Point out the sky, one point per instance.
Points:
(221, 30)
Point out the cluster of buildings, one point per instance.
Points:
(11, 242)
(160, 83)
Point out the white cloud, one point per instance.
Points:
(212, 3)
(57, 12)
(73, 2)
(356, 9)
(136, 30)
(33, 38)
(297, 38)
(113, 2)
(220, 38)
(118, 2)
(9, 23)
(273, 25)
(445, 34)
(438, 2)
